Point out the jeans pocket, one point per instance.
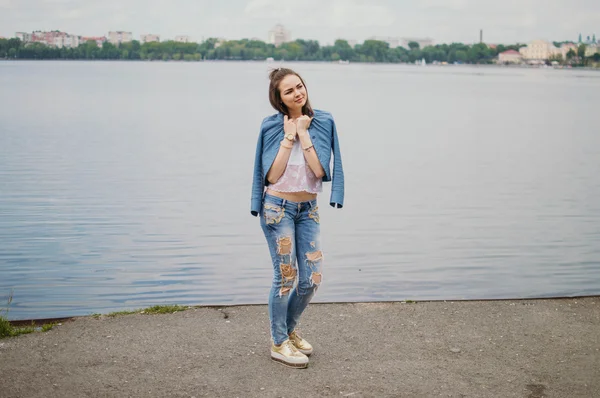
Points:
(313, 213)
(272, 213)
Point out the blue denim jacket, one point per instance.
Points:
(324, 137)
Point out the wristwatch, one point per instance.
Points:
(290, 137)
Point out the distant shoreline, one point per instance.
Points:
(574, 68)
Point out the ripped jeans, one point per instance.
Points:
(294, 236)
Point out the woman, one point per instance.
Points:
(292, 160)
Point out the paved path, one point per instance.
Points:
(537, 348)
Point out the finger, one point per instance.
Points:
(285, 118)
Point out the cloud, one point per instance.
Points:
(444, 4)
(357, 14)
(268, 9)
(327, 14)
(72, 14)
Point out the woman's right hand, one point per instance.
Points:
(289, 126)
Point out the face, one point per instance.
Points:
(293, 93)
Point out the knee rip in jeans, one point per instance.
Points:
(284, 245)
(288, 276)
(313, 213)
(312, 258)
(288, 272)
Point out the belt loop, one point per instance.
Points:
(283, 203)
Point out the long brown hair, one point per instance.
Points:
(276, 76)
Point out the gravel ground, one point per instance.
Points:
(512, 348)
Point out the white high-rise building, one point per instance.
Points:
(68, 41)
(24, 37)
(119, 37)
(279, 35)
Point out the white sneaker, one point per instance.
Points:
(289, 355)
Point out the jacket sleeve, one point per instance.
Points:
(337, 183)
(257, 180)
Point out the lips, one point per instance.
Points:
(299, 100)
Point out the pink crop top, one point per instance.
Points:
(297, 177)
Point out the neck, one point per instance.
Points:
(295, 113)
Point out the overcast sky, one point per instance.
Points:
(503, 21)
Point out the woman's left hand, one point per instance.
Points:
(303, 123)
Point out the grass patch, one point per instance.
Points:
(164, 309)
(119, 313)
(8, 330)
(48, 326)
(157, 309)
(23, 330)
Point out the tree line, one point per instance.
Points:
(244, 50)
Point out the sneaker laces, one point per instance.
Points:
(291, 346)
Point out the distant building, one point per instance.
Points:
(510, 57)
(119, 37)
(540, 50)
(591, 49)
(149, 38)
(68, 41)
(566, 47)
(219, 42)
(279, 35)
(182, 39)
(24, 37)
(393, 42)
(422, 42)
(589, 40)
(98, 39)
(46, 38)
(569, 46)
(53, 38)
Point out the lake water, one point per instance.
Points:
(125, 185)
